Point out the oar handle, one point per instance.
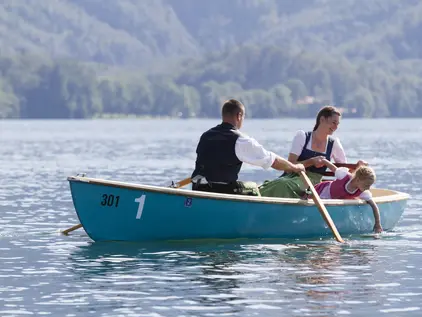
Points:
(181, 183)
(348, 165)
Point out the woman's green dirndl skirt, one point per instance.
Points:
(288, 186)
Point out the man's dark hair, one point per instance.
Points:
(232, 107)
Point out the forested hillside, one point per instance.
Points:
(84, 58)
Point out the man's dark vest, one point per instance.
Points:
(216, 157)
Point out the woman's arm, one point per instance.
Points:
(337, 153)
(314, 161)
(330, 165)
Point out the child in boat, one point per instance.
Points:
(349, 186)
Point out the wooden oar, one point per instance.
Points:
(179, 184)
(321, 207)
(66, 232)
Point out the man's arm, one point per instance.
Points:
(248, 150)
(282, 164)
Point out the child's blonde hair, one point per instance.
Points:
(365, 174)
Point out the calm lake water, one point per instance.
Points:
(45, 273)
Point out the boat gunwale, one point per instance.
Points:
(397, 196)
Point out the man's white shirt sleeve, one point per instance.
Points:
(248, 150)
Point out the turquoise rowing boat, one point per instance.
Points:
(118, 211)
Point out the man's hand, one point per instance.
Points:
(297, 168)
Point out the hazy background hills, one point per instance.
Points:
(84, 58)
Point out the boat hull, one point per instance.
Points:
(128, 212)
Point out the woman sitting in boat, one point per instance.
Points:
(348, 186)
(310, 149)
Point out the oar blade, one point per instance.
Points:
(67, 231)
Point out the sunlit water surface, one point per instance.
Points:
(45, 273)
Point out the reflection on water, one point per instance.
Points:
(229, 278)
(45, 273)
